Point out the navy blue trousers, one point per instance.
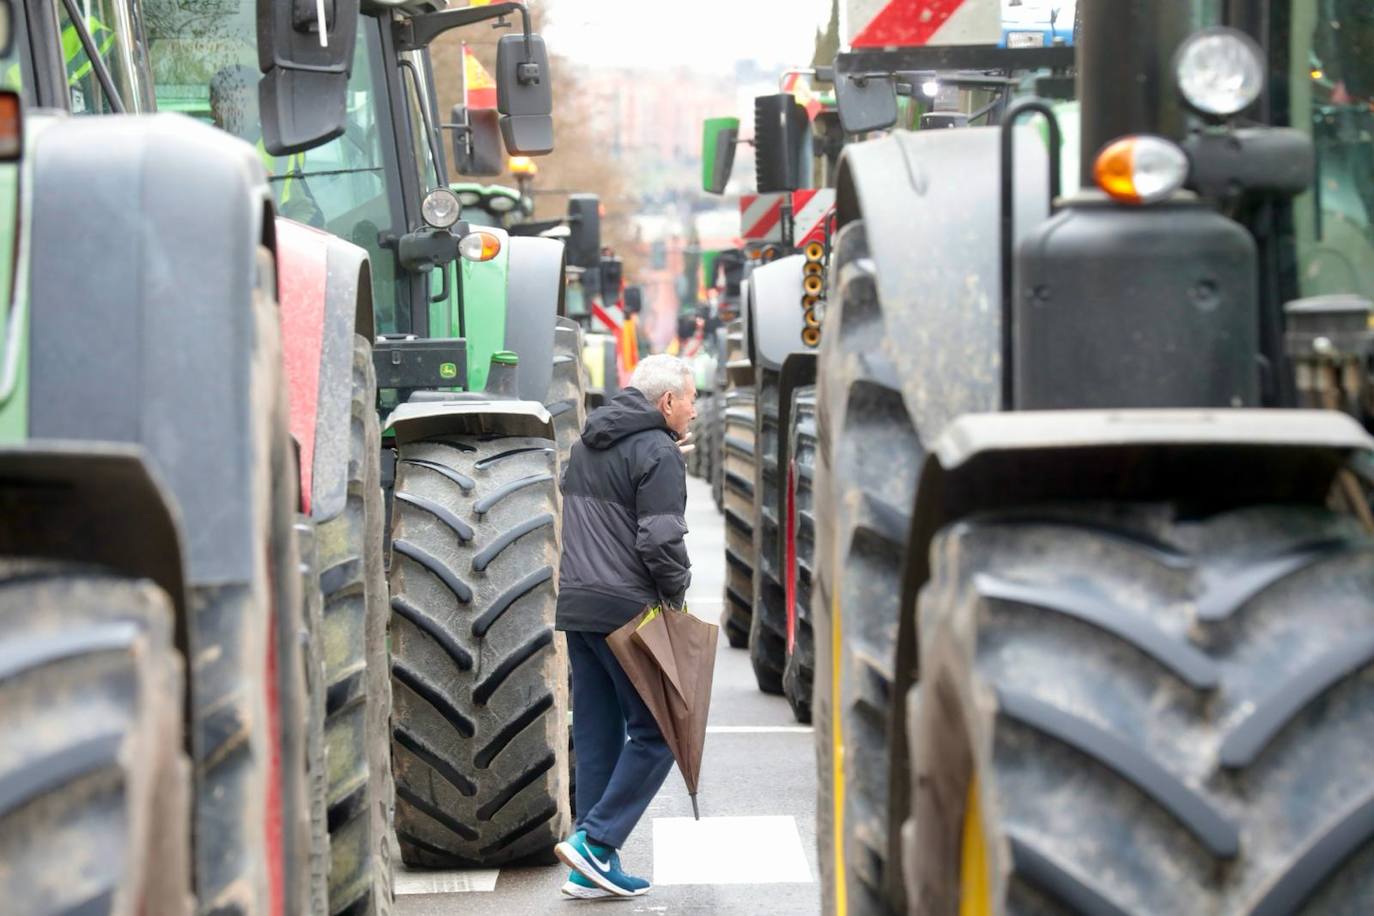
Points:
(622, 758)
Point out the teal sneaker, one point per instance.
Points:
(599, 865)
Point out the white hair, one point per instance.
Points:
(656, 375)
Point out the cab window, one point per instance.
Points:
(117, 44)
(204, 62)
(1326, 87)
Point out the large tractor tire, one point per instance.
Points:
(480, 682)
(94, 784)
(566, 399)
(310, 647)
(252, 665)
(353, 582)
(734, 348)
(768, 622)
(799, 552)
(716, 442)
(738, 494)
(865, 483)
(1129, 709)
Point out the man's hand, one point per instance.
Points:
(685, 444)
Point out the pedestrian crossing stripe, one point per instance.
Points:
(729, 850)
(477, 880)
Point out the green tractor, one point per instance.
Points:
(1092, 599)
(480, 389)
(162, 684)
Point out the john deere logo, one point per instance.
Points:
(448, 370)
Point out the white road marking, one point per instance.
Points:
(445, 882)
(729, 850)
(758, 730)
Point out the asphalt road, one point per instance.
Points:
(754, 850)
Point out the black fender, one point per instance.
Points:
(930, 204)
(1207, 459)
(534, 299)
(93, 502)
(144, 268)
(460, 415)
(347, 311)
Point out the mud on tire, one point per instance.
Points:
(254, 838)
(353, 582)
(566, 398)
(799, 556)
(768, 622)
(865, 483)
(94, 784)
(480, 733)
(1154, 714)
(737, 475)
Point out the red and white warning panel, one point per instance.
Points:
(908, 23)
(760, 215)
(913, 23)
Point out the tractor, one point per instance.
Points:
(456, 309)
(1093, 576)
(770, 370)
(163, 538)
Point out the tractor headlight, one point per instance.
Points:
(1220, 71)
(441, 208)
(500, 203)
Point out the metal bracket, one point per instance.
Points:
(417, 32)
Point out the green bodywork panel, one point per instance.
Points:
(716, 159)
(484, 295)
(16, 203)
(14, 351)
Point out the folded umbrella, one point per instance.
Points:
(670, 658)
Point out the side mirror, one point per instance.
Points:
(612, 273)
(477, 141)
(781, 135)
(634, 300)
(524, 94)
(718, 139)
(584, 225)
(866, 103)
(305, 51)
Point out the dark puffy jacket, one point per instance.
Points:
(624, 496)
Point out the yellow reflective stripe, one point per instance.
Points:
(975, 898)
(837, 760)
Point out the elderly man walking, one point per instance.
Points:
(624, 496)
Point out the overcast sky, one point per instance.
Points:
(706, 35)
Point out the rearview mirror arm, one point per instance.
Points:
(417, 32)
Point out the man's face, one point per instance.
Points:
(680, 409)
